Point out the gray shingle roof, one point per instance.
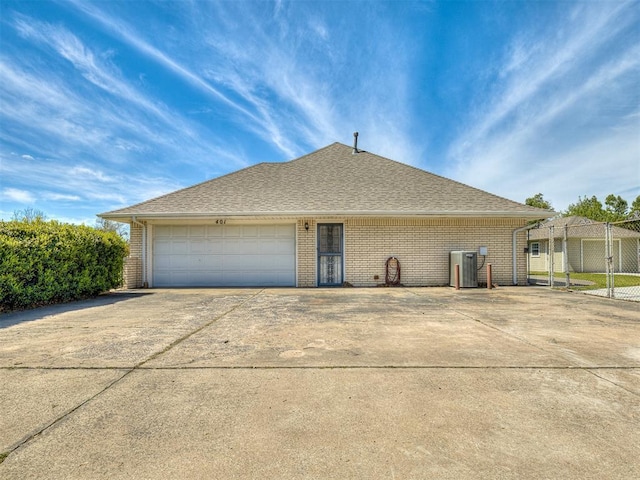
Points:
(580, 227)
(330, 181)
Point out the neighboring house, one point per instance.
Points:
(586, 249)
(330, 217)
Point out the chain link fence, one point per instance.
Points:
(594, 257)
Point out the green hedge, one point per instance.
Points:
(51, 262)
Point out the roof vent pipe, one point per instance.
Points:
(355, 143)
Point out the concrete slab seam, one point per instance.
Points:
(590, 370)
(35, 433)
(342, 367)
(153, 356)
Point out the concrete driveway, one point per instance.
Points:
(328, 383)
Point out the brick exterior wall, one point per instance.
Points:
(306, 252)
(133, 263)
(423, 246)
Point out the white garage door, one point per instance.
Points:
(223, 255)
(594, 254)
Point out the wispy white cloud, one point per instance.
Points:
(88, 119)
(276, 73)
(129, 34)
(102, 191)
(291, 73)
(125, 113)
(60, 197)
(85, 173)
(100, 73)
(539, 63)
(105, 121)
(546, 119)
(17, 195)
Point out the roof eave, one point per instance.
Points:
(126, 217)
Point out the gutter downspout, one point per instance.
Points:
(145, 283)
(513, 248)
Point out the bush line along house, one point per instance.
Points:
(333, 216)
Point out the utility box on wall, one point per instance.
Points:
(468, 262)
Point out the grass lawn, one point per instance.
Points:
(599, 279)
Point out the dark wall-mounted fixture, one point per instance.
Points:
(306, 225)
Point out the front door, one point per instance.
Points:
(329, 254)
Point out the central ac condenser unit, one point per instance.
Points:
(468, 262)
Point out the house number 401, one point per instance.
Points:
(220, 222)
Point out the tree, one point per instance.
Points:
(538, 201)
(29, 215)
(587, 207)
(634, 212)
(105, 225)
(616, 208)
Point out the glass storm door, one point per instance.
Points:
(329, 254)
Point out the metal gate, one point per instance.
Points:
(597, 258)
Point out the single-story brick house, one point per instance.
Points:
(331, 217)
(585, 246)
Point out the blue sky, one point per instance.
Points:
(106, 104)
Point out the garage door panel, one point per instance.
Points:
(162, 247)
(280, 247)
(269, 231)
(193, 262)
(204, 278)
(286, 262)
(179, 246)
(198, 231)
(286, 278)
(179, 231)
(162, 278)
(285, 230)
(162, 262)
(594, 253)
(266, 246)
(214, 231)
(232, 231)
(274, 246)
(177, 262)
(240, 246)
(213, 262)
(236, 262)
(224, 255)
(250, 231)
(179, 279)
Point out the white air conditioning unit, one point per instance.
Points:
(468, 262)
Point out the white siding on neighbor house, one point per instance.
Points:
(224, 255)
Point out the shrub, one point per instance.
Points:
(51, 262)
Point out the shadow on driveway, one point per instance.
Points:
(14, 318)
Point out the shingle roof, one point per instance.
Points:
(329, 181)
(581, 227)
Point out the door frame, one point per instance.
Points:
(342, 243)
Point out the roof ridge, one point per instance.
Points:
(423, 171)
(365, 182)
(315, 152)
